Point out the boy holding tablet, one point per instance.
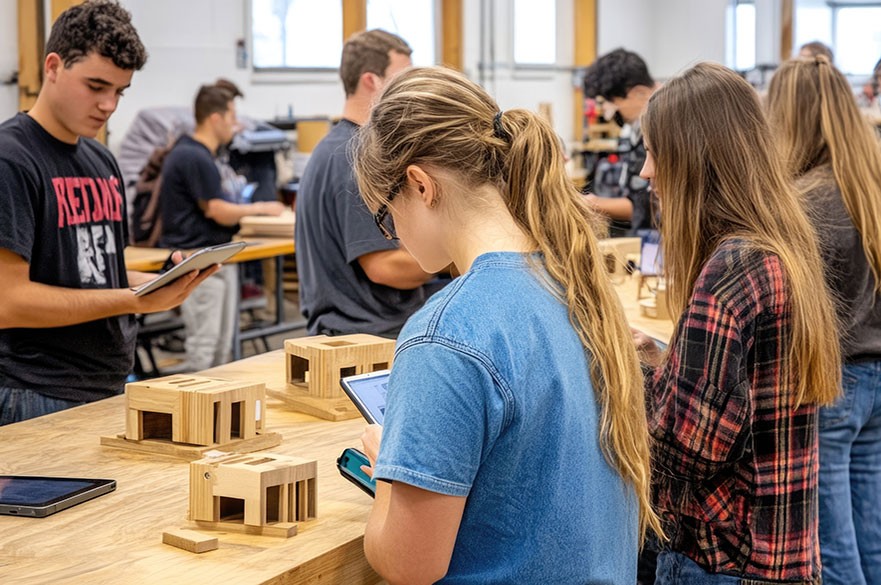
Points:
(67, 333)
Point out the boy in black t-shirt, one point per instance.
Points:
(195, 213)
(67, 332)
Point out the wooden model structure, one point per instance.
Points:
(615, 253)
(254, 493)
(185, 415)
(655, 306)
(314, 366)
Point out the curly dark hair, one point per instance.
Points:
(100, 26)
(616, 73)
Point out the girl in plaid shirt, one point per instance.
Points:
(732, 406)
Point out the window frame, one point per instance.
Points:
(526, 69)
(443, 30)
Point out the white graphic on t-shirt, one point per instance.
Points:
(94, 244)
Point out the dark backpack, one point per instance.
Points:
(146, 212)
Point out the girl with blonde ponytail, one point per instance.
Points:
(514, 448)
(834, 156)
(733, 404)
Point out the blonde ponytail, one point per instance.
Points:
(437, 117)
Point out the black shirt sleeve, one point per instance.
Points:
(17, 209)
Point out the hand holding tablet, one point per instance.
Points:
(198, 260)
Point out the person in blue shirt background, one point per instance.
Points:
(515, 445)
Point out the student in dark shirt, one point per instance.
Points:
(732, 406)
(67, 332)
(622, 79)
(195, 214)
(836, 160)
(352, 279)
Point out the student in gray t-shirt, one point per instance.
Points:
(352, 279)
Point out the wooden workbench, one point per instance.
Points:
(116, 538)
(258, 248)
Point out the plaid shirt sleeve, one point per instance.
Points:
(699, 402)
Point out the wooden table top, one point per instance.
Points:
(152, 259)
(116, 538)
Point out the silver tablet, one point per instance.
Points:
(198, 260)
(367, 392)
(28, 495)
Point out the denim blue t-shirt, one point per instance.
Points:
(490, 398)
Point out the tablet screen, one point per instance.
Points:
(38, 492)
(368, 391)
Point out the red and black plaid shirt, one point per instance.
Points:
(735, 466)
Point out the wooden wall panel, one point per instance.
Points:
(30, 52)
(451, 34)
(354, 17)
(786, 32)
(585, 18)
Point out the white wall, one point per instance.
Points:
(194, 42)
(8, 57)
(670, 35)
(514, 87)
(627, 24)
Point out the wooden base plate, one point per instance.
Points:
(332, 409)
(279, 529)
(193, 452)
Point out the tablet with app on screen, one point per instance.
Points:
(367, 392)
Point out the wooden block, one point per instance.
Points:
(264, 490)
(193, 452)
(194, 410)
(317, 363)
(332, 409)
(280, 530)
(190, 540)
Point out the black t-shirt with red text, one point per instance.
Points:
(62, 210)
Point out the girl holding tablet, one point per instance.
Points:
(514, 447)
(835, 157)
(733, 403)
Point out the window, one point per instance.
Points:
(849, 28)
(857, 38)
(296, 34)
(535, 32)
(741, 45)
(412, 20)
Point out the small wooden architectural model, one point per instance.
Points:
(314, 366)
(655, 306)
(184, 415)
(254, 493)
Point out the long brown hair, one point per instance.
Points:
(438, 118)
(718, 179)
(817, 122)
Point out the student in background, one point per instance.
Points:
(733, 404)
(196, 213)
(836, 160)
(814, 48)
(501, 460)
(352, 279)
(67, 333)
(622, 79)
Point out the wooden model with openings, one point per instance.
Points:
(253, 493)
(185, 415)
(314, 366)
